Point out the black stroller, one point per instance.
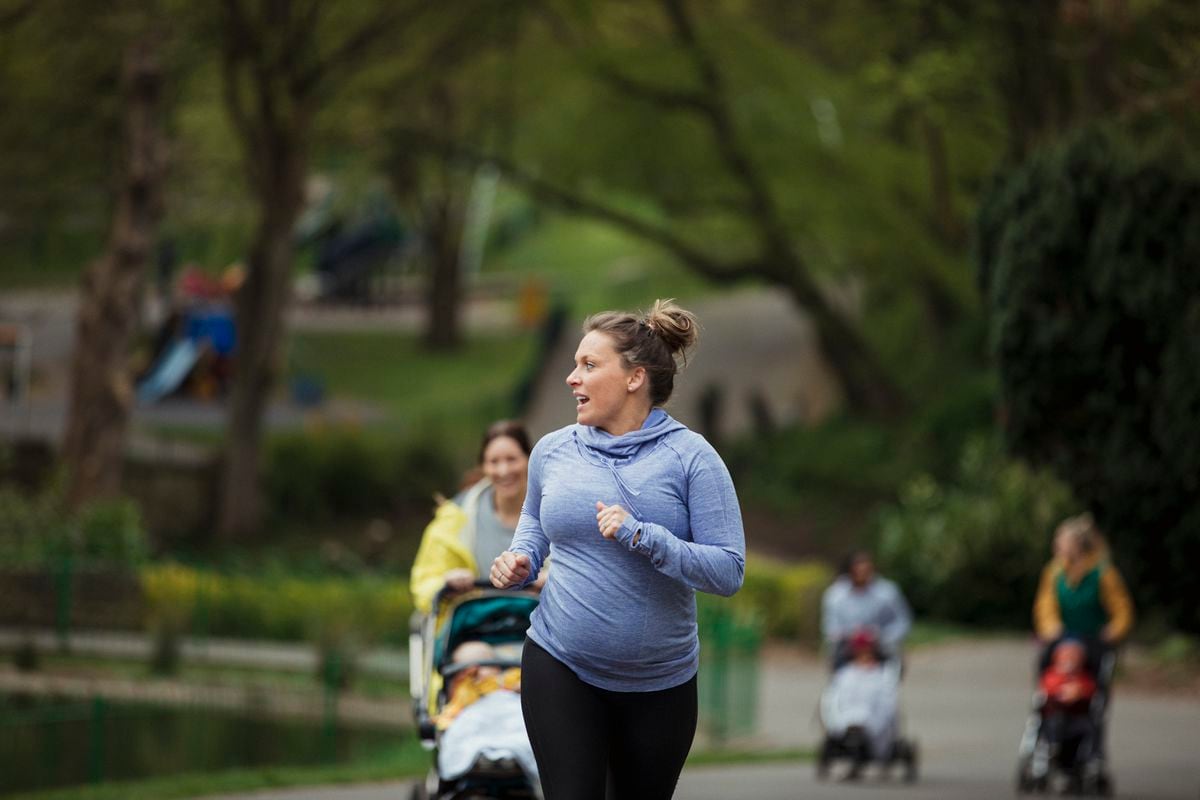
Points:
(845, 739)
(1062, 754)
(499, 618)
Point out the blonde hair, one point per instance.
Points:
(657, 340)
(1081, 530)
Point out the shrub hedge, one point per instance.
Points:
(970, 550)
(784, 599)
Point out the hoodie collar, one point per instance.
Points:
(628, 445)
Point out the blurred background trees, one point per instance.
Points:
(839, 151)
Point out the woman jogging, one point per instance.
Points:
(639, 512)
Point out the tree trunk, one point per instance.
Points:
(445, 228)
(949, 225)
(261, 305)
(867, 385)
(1033, 89)
(101, 385)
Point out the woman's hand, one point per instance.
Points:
(609, 519)
(510, 569)
(459, 580)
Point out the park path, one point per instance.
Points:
(964, 701)
(756, 348)
(49, 315)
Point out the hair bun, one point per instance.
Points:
(676, 327)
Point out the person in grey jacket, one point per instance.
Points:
(639, 514)
(861, 599)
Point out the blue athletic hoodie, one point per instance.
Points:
(623, 616)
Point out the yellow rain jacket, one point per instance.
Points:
(448, 543)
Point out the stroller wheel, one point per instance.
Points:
(418, 791)
(912, 759)
(824, 758)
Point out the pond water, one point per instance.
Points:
(50, 742)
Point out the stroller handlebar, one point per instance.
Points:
(446, 591)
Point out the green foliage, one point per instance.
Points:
(971, 550)
(1087, 255)
(36, 528)
(111, 531)
(327, 474)
(447, 397)
(283, 607)
(827, 482)
(30, 524)
(785, 598)
(340, 614)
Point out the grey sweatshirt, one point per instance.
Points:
(623, 616)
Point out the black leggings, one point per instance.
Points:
(581, 733)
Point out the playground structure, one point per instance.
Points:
(195, 345)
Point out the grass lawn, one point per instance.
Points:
(592, 266)
(406, 760)
(417, 389)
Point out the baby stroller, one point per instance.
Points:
(1065, 757)
(860, 719)
(499, 618)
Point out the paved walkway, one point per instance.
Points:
(964, 702)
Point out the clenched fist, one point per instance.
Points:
(510, 569)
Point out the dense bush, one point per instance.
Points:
(971, 550)
(1088, 259)
(29, 523)
(322, 475)
(785, 598)
(36, 528)
(275, 607)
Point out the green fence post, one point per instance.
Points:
(96, 741)
(200, 610)
(332, 671)
(63, 580)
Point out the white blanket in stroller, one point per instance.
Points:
(492, 726)
(866, 697)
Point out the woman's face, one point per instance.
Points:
(600, 381)
(507, 466)
(1066, 547)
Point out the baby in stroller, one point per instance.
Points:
(466, 690)
(860, 711)
(482, 720)
(1065, 726)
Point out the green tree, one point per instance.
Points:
(102, 395)
(1087, 258)
(281, 62)
(113, 63)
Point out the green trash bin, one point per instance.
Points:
(730, 643)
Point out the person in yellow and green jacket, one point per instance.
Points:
(1081, 593)
(1082, 596)
(468, 532)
